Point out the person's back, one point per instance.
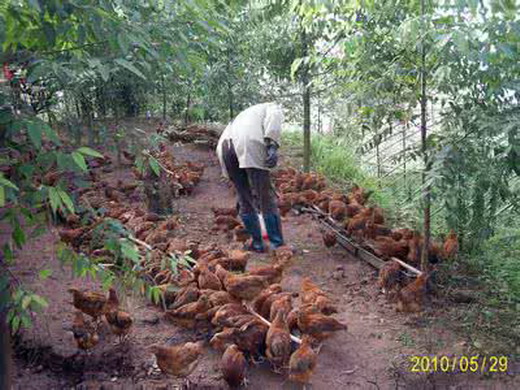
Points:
(247, 150)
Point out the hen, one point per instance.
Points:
(312, 322)
(233, 366)
(389, 276)
(186, 295)
(231, 211)
(226, 222)
(272, 273)
(337, 210)
(451, 245)
(178, 360)
(259, 300)
(120, 321)
(208, 280)
(245, 287)
(303, 362)
(91, 302)
(278, 342)
(410, 298)
(329, 239)
(85, 336)
(186, 316)
(282, 304)
(312, 294)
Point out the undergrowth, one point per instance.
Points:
(492, 273)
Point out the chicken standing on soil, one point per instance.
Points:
(85, 336)
(234, 366)
(410, 298)
(90, 302)
(178, 360)
(303, 362)
(451, 245)
(316, 324)
(389, 276)
(278, 342)
(312, 294)
(329, 239)
(245, 287)
(120, 321)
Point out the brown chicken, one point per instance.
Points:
(354, 209)
(312, 294)
(260, 299)
(373, 230)
(451, 245)
(265, 310)
(225, 314)
(226, 222)
(337, 210)
(329, 239)
(178, 360)
(120, 321)
(283, 254)
(186, 295)
(389, 276)
(359, 195)
(285, 204)
(240, 234)
(245, 287)
(185, 316)
(303, 362)
(72, 236)
(231, 211)
(282, 304)
(278, 342)
(320, 326)
(91, 302)
(410, 298)
(272, 273)
(208, 280)
(249, 338)
(85, 335)
(233, 366)
(387, 248)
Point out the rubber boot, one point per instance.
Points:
(252, 224)
(273, 225)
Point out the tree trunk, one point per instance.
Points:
(5, 345)
(187, 113)
(306, 106)
(163, 86)
(426, 194)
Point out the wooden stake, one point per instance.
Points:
(293, 338)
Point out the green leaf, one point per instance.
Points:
(26, 301)
(54, 198)
(44, 274)
(51, 134)
(129, 250)
(80, 161)
(89, 152)
(39, 301)
(15, 323)
(67, 200)
(2, 197)
(128, 65)
(155, 166)
(35, 134)
(7, 183)
(18, 236)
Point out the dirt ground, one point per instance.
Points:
(373, 354)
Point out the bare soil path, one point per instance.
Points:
(372, 354)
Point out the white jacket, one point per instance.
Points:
(247, 133)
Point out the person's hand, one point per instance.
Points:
(272, 153)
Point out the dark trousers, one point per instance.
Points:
(254, 189)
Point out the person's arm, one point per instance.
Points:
(272, 134)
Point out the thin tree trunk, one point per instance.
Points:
(5, 344)
(187, 113)
(306, 107)
(426, 195)
(163, 86)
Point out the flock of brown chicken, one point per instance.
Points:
(366, 225)
(243, 309)
(246, 313)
